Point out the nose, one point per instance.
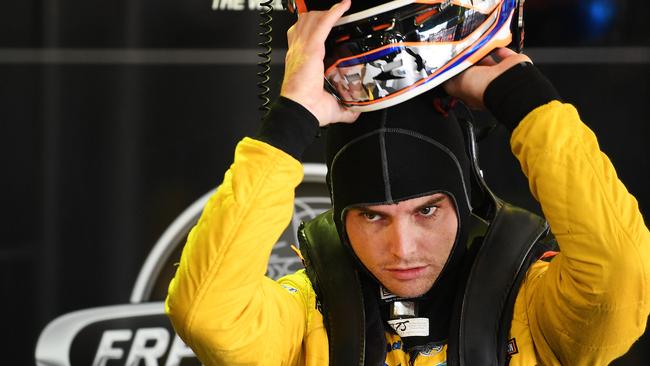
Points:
(401, 240)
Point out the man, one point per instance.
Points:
(402, 202)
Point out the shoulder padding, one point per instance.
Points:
(484, 316)
(329, 266)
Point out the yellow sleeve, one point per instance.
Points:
(219, 301)
(592, 303)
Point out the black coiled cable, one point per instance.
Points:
(265, 55)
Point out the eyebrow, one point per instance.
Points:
(432, 201)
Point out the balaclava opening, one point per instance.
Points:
(406, 151)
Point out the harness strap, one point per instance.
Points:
(484, 316)
(338, 289)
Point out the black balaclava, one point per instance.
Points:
(406, 151)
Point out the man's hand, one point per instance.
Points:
(469, 86)
(304, 70)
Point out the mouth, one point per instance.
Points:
(407, 273)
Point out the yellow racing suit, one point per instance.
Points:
(586, 307)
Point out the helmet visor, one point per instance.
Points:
(373, 57)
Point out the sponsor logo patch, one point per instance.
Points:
(411, 327)
(292, 290)
(511, 348)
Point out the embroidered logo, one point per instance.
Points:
(292, 290)
(511, 348)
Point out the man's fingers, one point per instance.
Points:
(313, 27)
(336, 11)
(503, 52)
(508, 57)
(303, 81)
(498, 55)
(347, 115)
(470, 85)
(331, 17)
(453, 85)
(489, 60)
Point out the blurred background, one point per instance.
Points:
(117, 115)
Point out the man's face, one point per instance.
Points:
(404, 245)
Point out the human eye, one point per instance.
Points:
(428, 211)
(370, 216)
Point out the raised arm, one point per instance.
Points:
(593, 301)
(219, 301)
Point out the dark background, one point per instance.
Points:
(116, 115)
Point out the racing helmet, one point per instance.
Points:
(381, 54)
